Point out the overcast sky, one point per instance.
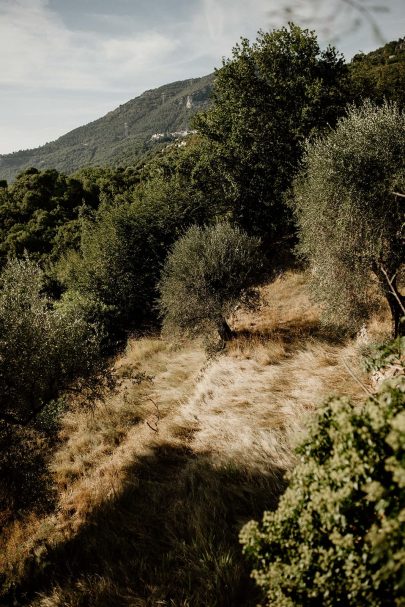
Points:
(64, 63)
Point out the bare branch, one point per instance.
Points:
(393, 290)
(156, 429)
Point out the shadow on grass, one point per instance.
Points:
(293, 333)
(25, 483)
(169, 538)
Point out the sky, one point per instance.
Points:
(64, 63)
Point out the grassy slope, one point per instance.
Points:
(154, 484)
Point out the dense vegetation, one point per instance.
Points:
(380, 74)
(338, 533)
(349, 207)
(205, 276)
(43, 347)
(267, 99)
(88, 258)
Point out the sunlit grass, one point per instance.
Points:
(154, 484)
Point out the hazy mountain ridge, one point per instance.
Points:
(122, 135)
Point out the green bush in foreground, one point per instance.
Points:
(337, 537)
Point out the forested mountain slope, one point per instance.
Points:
(122, 135)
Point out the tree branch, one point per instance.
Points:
(393, 290)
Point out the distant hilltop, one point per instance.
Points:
(122, 136)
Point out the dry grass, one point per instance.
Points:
(141, 476)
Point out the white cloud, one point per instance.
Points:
(37, 49)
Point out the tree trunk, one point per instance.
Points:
(224, 330)
(398, 327)
(395, 300)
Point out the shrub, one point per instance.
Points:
(337, 536)
(349, 207)
(43, 348)
(205, 275)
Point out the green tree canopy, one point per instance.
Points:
(39, 214)
(43, 349)
(124, 246)
(204, 277)
(380, 75)
(349, 206)
(267, 99)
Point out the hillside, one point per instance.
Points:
(381, 73)
(139, 476)
(121, 136)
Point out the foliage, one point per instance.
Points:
(382, 356)
(267, 99)
(124, 247)
(380, 75)
(337, 535)
(204, 277)
(40, 214)
(44, 349)
(349, 213)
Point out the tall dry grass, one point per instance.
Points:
(154, 484)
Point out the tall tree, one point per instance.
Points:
(268, 98)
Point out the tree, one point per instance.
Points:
(39, 214)
(44, 349)
(267, 99)
(349, 204)
(337, 536)
(124, 247)
(204, 277)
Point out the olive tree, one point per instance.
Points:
(205, 275)
(349, 202)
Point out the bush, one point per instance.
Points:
(43, 348)
(337, 536)
(204, 277)
(123, 250)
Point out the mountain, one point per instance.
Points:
(123, 135)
